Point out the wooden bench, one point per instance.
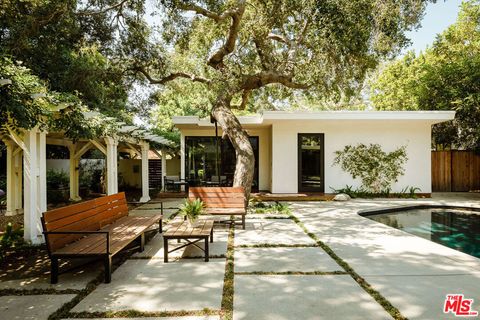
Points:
(228, 201)
(96, 228)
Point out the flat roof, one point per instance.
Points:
(269, 117)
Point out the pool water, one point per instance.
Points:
(458, 229)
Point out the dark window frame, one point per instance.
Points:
(322, 162)
(221, 166)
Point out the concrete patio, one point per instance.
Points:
(280, 272)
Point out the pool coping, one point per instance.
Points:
(371, 212)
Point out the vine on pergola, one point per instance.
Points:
(27, 103)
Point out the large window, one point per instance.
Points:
(207, 162)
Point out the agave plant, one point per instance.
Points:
(192, 209)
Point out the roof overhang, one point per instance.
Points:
(270, 117)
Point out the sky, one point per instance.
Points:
(437, 18)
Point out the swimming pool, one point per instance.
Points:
(454, 227)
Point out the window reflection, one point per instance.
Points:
(201, 161)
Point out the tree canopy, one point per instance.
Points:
(446, 76)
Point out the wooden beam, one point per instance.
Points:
(83, 149)
(99, 146)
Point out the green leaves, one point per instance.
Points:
(377, 169)
(444, 77)
(192, 209)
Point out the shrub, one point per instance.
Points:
(57, 179)
(12, 238)
(377, 169)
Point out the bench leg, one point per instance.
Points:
(211, 235)
(165, 250)
(243, 222)
(54, 270)
(160, 227)
(142, 242)
(207, 251)
(108, 268)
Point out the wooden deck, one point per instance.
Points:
(264, 196)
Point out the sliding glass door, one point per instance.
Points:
(207, 163)
(311, 162)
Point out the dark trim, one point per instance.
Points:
(366, 213)
(322, 162)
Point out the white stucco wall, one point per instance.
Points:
(415, 134)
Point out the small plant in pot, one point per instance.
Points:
(192, 209)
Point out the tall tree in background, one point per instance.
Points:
(68, 49)
(444, 77)
(230, 54)
(237, 51)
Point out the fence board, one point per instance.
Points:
(455, 171)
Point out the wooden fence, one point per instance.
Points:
(455, 171)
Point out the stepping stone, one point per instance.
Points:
(154, 248)
(272, 232)
(303, 297)
(159, 318)
(32, 307)
(283, 260)
(423, 297)
(76, 280)
(155, 286)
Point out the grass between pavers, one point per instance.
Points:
(387, 305)
(226, 312)
(292, 273)
(37, 291)
(276, 245)
(141, 314)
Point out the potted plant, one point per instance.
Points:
(191, 210)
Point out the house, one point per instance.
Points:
(294, 151)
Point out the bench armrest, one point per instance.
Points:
(106, 233)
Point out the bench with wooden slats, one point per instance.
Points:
(94, 228)
(221, 200)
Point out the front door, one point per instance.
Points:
(311, 162)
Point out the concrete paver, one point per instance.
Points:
(283, 259)
(152, 285)
(32, 307)
(423, 297)
(280, 297)
(271, 231)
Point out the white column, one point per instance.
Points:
(11, 179)
(42, 173)
(18, 186)
(74, 173)
(164, 167)
(112, 169)
(31, 179)
(182, 156)
(145, 187)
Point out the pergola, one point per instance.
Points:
(30, 146)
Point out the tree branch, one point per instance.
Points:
(171, 77)
(216, 60)
(112, 7)
(264, 78)
(245, 98)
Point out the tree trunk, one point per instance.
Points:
(230, 125)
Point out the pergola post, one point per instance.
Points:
(74, 173)
(112, 169)
(11, 179)
(145, 147)
(164, 167)
(35, 184)
(18, 181)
